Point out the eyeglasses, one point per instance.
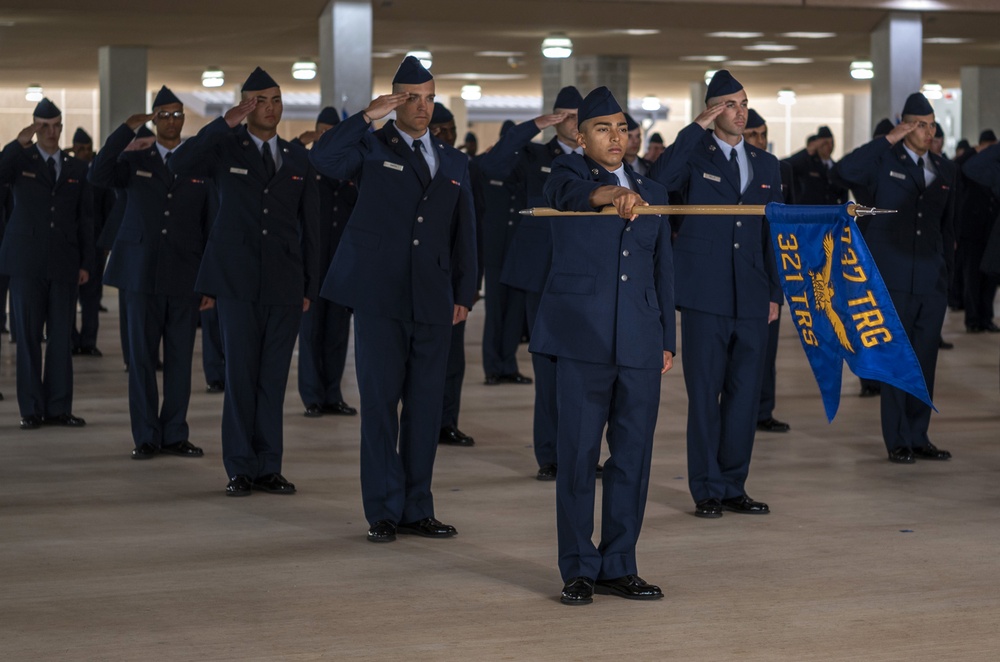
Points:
(164, 115)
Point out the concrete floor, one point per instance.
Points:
(103, 558)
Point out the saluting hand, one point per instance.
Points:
(139, 144)
(234, 116)
(28, 133)
(138, 120)
(899, 132)
(709, 114)
(310, 137)
(545, 121)
(385, 104)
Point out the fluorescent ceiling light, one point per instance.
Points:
(34, 93)
(808, 35)
(472, 92)
(946, 40)
(777, 48)
(703, 58)
(304, 70)
(746, 63)
(932, 91)
(638, 32)
(786, 97)
(709, 74)
(213, 78)
(862, 70)
(735, 35)
(651, 103)
(790, 60)
(557, 46)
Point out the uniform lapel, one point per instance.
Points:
(252, 156)
(908, 166)
(405, 152)
(287, 163)
(156, 165)
(721, 162)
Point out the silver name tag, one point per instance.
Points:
(392, 166)
(897, 175)
(239, 171)
(546, 169)
(143, 173)
(25, 173)
(496, 182)
(711, 178)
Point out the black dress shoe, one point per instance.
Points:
(67, 420)
(930, 452)
(144, 452)
(1, 397)
(945, 345)
(382, 531)
(102, 308)
(632, 587)
(31, 422)
(901, 455)
(88, 351)
(991, 328)
(973, 328)
(578, 591)
(452, 436)
(870, 391)
(428, 527)
(745, 505)
(239, 486)
(773, 425)
(546, 472)
(599, 471)
(492, 380)
(215, 387)
(182, 449)
(708, 508)
(273, 484)
(515, 378)
(159, 365)
(339, 409)
(313, 411)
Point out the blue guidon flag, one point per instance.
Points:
(839, 303)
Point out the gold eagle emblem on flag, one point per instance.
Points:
(823, 294)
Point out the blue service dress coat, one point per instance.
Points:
(499, 203)
(526, 165)
(48, 240)
(325, 332)
(261, 260)
(913, 250)
(155, 260)
(407, 257)
(726, 278)
(607, 315)
(814, 182)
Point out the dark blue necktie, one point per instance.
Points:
(921, 177)
(734, 164)
(268, 161)
(425, 168)
(51, 163)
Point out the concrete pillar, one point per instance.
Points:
(896, 54)
(585, 73)
(698, 91)
(858, 122)
(980, 101)
(345, 54)
(122, 76)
